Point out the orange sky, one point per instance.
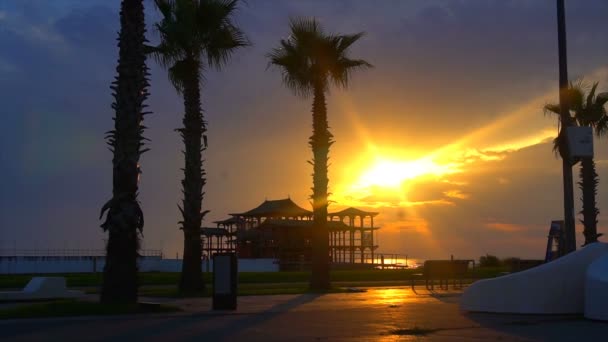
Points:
(445, 136)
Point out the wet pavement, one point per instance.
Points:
(380, 314)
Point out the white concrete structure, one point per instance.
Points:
(88, 264)
(557, 287)
(41, 288)
(596, 289)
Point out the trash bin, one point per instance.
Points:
(224, 281)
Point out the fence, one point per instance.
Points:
(91, 264)
(10, 252)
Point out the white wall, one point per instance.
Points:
(42, 265)
(557, 287)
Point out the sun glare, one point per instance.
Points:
(392, 173)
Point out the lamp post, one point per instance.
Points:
(566, 120)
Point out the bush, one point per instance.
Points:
(511, 262)
(489, 261)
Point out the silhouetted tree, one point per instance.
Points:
(124, 220)
(310, 60)
(587, 110)
(194, 35)
(489, 260)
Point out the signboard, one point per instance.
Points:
(224, 281)
(580, 141)
(221, 279)
(554, 241)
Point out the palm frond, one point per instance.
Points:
(588, 107)
(220, 37)
(304, 29)
(601, 128)
(310, 58)
(347, 40)
(591, 95)
(222, 45)
(199, 30)
(342, 71)
(165, 7)
(556, 141)
(179, 72)
(552, 108)
(575, 96)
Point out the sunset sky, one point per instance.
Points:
(445, 136)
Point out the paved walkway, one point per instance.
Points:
(380, 314)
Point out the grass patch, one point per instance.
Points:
(415, 331)
(78, 308)
(170, 292)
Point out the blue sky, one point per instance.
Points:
(446, 73)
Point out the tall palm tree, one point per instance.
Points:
(194, 35)
(124, 220)
(588, 111)
(311, 60)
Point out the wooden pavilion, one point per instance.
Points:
(282, 230)
(220, 239)
(353, 240)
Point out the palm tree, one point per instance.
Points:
(588, 111)
(194, 35)
(124, 220)
(310, 60)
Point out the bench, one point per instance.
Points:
(41, 288)
(444, 271)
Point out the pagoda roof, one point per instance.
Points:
(214, 231)
(231, 220)
(276, 208)
(353, 212)
(278, 223)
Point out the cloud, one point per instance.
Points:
(460, 81)
(505, 227)
(456, 194)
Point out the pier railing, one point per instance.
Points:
(11, 252)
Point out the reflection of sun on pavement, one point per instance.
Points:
(390, 296)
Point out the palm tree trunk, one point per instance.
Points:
(193, 132)
(588, 185)
(124, 220)
(320, 141)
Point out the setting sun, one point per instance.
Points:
(392, 173)
(390, 178)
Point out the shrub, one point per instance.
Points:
(489, 261)
(511, 262)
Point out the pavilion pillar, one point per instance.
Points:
(331, 246)
(361, 234)
(344, 246)
(362, 248)
(351, 240)
(371, 232)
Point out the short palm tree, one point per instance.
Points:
(124, 220)
(310, 61)
(194, 35)
(588, 111)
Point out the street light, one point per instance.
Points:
(566, 121)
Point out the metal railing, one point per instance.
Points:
(11, 252)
